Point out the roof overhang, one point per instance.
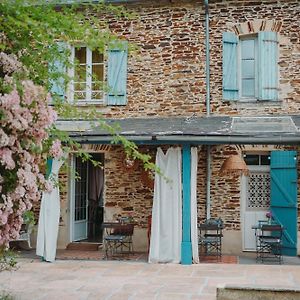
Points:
(196, 130)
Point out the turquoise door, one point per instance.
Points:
(284, 196)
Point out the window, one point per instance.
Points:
(247, 63)
(250, 66)
(94, 79)
(257, 159)
(88, 75)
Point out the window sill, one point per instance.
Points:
(249, 103)
(89, 103)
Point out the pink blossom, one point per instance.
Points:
(11, 100)
(26, 121)
(56, 150)
(3, 218)
(4, 139)
(6, 158)
(10, 63)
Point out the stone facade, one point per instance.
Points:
(166, 77)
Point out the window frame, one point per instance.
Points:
(88, 86)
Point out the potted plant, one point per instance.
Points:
(269, 217)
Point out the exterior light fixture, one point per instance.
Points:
(234, 165)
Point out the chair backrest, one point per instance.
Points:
(123, 229)
(275, 230)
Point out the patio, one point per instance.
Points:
(246, 259)
(135, 280)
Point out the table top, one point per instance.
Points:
(258, 226)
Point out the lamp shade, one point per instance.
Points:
(234, 165)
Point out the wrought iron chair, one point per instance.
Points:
(269, 242)
(210, 237)
(118, 239)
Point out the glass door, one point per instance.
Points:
(81, 202)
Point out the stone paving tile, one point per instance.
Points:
(109, 280)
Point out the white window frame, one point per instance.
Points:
(239, 71)
(71, 72)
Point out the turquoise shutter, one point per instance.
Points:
(117, 74)
(57, 68)
(267, 65)
(230, 72)
(284, 196)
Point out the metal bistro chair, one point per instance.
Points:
(118, 238)
(210, 237)
(269, 242)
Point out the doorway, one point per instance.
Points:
(255, 196)
(87, 203)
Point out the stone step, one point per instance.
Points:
(250, 292)
(83, 246)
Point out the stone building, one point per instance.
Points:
(246, 102)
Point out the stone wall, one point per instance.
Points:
(125, 193)
(166, 76)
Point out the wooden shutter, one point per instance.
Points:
(230, 73)
(267, 65)
(57, 68)
(117, 74)
(284, 196)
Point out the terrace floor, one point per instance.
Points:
(95, 278)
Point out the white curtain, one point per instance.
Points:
(49, 218)
(194, 219)
(166, 229)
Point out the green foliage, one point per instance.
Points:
(6, 296)
(8, 260)
(30, 29)
(28, 217)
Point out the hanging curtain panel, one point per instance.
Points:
(194, 218)
(49, 218)
(166, 230)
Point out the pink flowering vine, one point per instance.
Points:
(25, 119)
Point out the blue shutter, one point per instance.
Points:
(267, 65)
(284, 196)
(230, 73)
(117, 74)
(57, 68)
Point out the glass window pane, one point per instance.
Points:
(248, 88)
(247, 49)
(80, 73)
(265, 160)
(80, 86)
(80, 55)
(97, 72)
(97, 57)
(97, 86)
(248, 69)
(251, 159)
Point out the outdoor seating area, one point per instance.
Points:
(118, 237)
(210, 238)
(268, 241)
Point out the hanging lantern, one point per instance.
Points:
(234, 165)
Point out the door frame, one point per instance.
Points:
(72, 198)
(243, 198)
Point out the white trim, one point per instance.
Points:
(88, 91)
(243, 198)
(71, 197)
